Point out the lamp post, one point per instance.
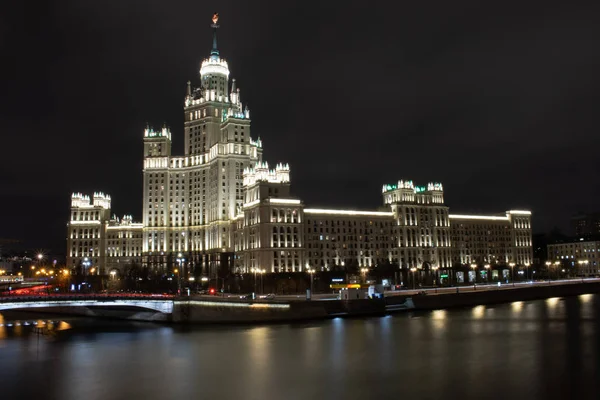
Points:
(40, 258)
(435, 275)
(487, 272)
(261, 272)
(548, 265)
(363, 272)
(557, 264)
(527, 271)
(311, 272)
(512, 269)
(86, 263)
(179, 272)
(413, 269)
(582, 263)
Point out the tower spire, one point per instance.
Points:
(215, 52)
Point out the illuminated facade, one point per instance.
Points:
(190, 201)
(98, 243)
(269, 233)
(582, 255)
(492, 239)
(220, 206)
(421, 229)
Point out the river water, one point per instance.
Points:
(524, 350)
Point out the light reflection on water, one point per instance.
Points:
(536, 350)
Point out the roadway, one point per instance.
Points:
(412, 292)
(487, 287)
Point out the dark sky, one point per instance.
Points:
(497, 102)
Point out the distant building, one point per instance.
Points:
(492, 239)
(586, 224)
(96, 241)
(220, 205)
(579, 254)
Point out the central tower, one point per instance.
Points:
(190, 201)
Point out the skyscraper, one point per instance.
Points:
(190, 200)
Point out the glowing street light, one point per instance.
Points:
(261, 272)
(311, 272)
(435, 272)
(512, 268)
(474, 266)
(413, 270)
(487, 271)
(527, 271)
(363, 272)
(180, 260)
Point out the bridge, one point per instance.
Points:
(159, 304)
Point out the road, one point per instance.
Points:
(485, 287)
(434, 291)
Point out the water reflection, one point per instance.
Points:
(535, 350)
(478, 312)
(24, 328)
(552, 302)
(438, 319)
(517, 306)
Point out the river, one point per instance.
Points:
(524, 350)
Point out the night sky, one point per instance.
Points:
(499, 103)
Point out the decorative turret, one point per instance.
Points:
(101, 200)
(151, 133)
(80, 200)
(262, 173)
(407, 191)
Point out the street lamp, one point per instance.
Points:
(179, 260)
(487, 272)
(435, 274)
(548, 265)
(311, 272)
(582, 262)
(86, 264)
(363, 272)
(512, 269)
(413, 270)
(474, 266)
(261, 272)
(557, 264)
(527, 271)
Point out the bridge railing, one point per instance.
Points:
(100, 297)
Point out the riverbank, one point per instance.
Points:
(214, 310)
(202, 311)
